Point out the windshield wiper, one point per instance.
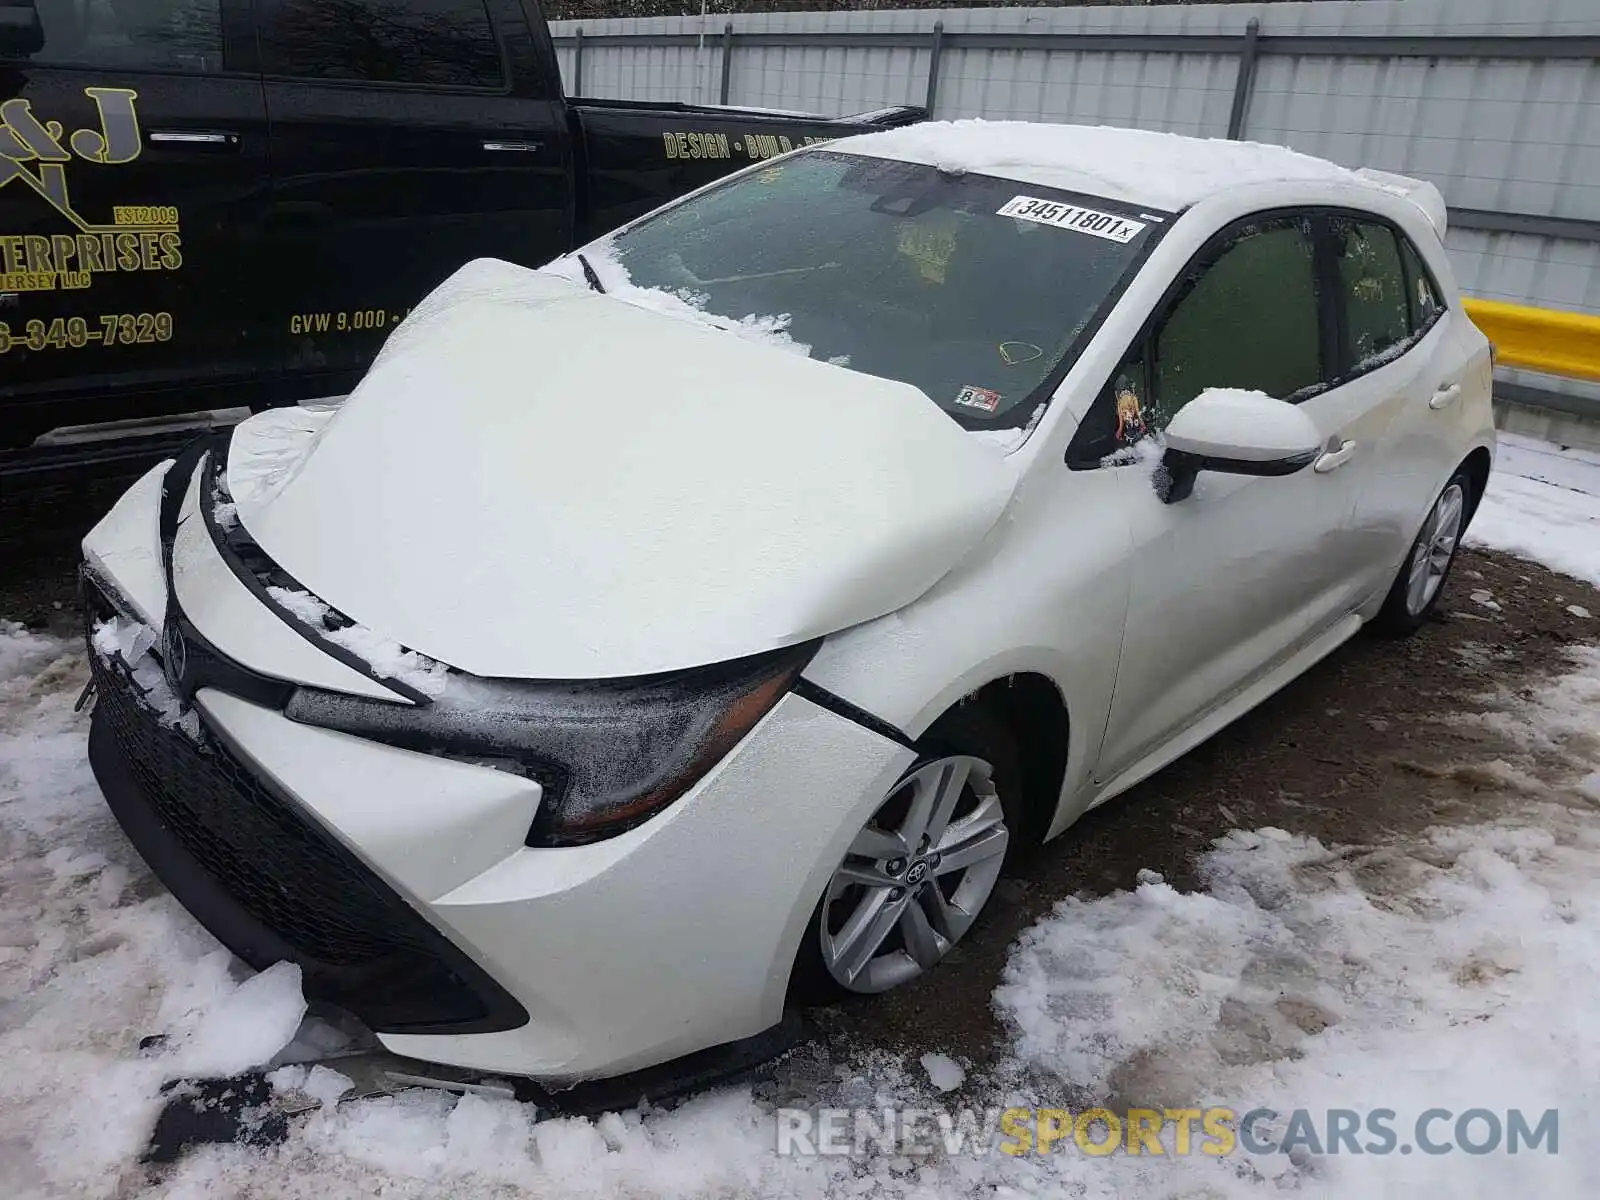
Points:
(591, 276)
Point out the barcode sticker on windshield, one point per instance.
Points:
(1069, 216)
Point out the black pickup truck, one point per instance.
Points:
(211, 206)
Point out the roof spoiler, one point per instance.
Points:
(1423, 194)
(887, 118)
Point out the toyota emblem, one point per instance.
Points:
(174, 656)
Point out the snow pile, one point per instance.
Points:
(1566, 732)
(1454, 971)
(1543, 503)
(687, 305)
(387, 658)
(1164, 169)
(93, 955)
(246, 1026)
(1078, 988)
(22, 653)
(944, 1072)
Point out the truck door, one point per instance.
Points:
(132, 176)
(408, 137)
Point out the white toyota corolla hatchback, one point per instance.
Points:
(697, 623)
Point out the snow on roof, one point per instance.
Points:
(1166, 170)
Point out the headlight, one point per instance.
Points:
(608, 755)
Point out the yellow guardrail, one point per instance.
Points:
(1540, 339)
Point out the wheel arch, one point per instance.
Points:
(1033, 710)
(1477, 465)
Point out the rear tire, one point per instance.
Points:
(1420, 581)
(896, 905)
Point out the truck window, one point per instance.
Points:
(152, 35)
(432, 43)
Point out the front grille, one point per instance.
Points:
(360, 946)
(266, 859)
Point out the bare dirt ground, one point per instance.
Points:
(1350, 753)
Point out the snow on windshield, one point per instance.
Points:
(680, 302)
(976, 291)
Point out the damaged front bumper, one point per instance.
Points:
(400, 881)
(242, 856)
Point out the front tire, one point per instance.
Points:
(920, 871)
(1421, 579)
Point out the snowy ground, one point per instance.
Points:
(1544, 503)
(1453, 969)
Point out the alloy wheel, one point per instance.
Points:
(916, 876)
(1435, 548)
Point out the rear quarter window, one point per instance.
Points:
(1423, 294)
(1387, 298)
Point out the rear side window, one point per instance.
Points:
(428, 43)
(1372, 281)
(149, 35)
(1246, 320)
(1422, 290)
(1387, 297)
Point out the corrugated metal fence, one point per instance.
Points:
(1496, 101)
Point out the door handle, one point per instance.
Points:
(513, 147)
(1332, 460)
(1445, 397)
(199, 139)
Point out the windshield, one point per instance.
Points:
(974, 289)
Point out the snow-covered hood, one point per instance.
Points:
(537, 481)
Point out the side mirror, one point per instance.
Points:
(21, 33)
(1237, 433)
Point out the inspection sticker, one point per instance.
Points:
(976, 397)
(1069, 216)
